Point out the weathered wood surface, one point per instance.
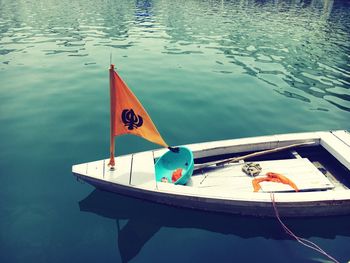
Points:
(231, 178)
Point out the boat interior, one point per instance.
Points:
(311, 168)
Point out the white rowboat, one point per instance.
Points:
(320, 169)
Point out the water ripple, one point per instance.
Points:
(301, 50)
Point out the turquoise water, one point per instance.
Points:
(204, 70)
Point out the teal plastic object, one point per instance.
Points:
(170, 161)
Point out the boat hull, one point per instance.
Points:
(235, 207)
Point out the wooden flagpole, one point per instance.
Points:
(112, 116)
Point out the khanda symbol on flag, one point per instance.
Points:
(128, 115)
(131, 120)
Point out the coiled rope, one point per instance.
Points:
(301, 240)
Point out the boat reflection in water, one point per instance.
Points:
(145, 219)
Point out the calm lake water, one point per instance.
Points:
(204, 70)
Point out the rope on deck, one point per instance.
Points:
(301, 240)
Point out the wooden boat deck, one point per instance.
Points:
(231, 177)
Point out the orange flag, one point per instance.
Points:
(127, 115)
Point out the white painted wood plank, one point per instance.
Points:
(80, 169)
(230, 178)
(343, 136)
(291, 138)
(100, 170)
(247, 144)
(159, 152)
(301, 171)
(143, 170)
(95, 169)
(337, 148)
(121, 174)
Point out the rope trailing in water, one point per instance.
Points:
(301, 240)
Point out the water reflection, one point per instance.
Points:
(145, 219)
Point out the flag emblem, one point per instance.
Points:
(131, 120)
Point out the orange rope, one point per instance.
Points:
(273, 177)
(301, 240)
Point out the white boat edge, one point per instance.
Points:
(135, 177)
